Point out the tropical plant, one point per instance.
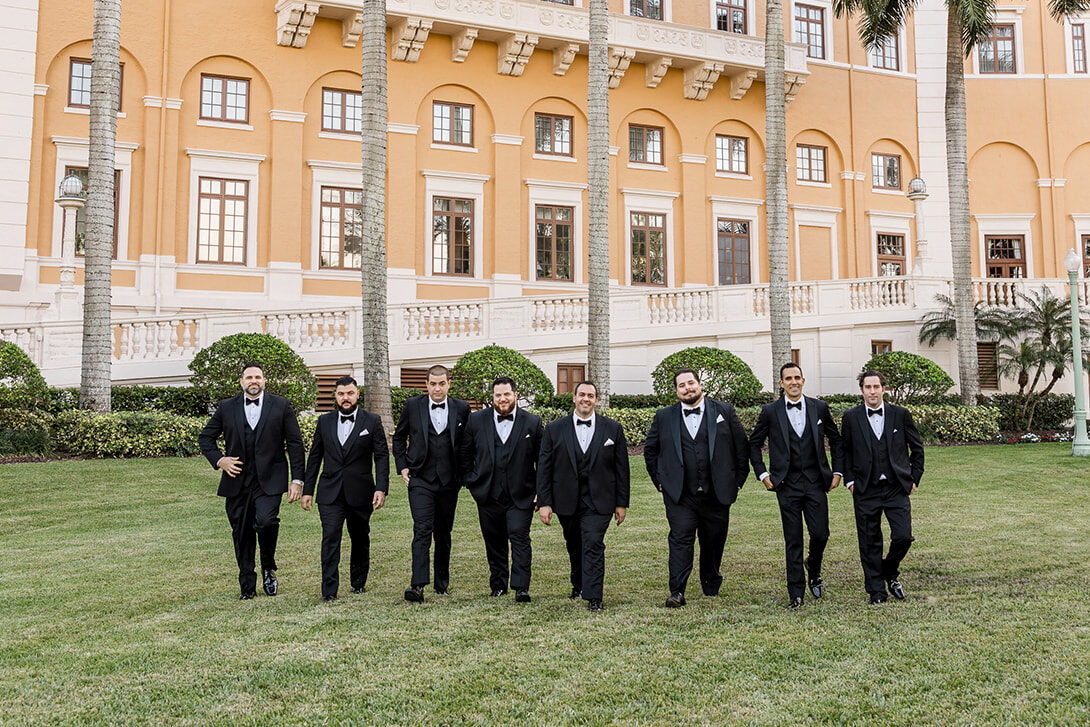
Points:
(724, 376)
(779, 301)
(216, 369)
(992, 323)
(598, 198)
(474, 373)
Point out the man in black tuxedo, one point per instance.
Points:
(346, 441)
(428, 443)
(256, 428)
(883, 464)
(582, 473)
(503, 444)
(797, 428)
(696, 455)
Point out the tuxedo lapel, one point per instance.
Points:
(812, 421)
(674, 423)
(425, 421)
(266, 412)
(709, 409)
(240, 414)
(596, 443)
(516, 429)
(452, 421)
(492, 433)
(781, 415)
(568, 433)
(352, 437)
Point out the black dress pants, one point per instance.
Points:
(501, 523)
(584, 534)
(880, 497)
(800, 498)
(334, 516)
(695, 517)
(255, 519)
(432, 509)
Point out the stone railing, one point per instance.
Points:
(879, 293)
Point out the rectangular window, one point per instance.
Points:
(568, 377)
(996, 50)
(79, 83)
(886, 55)
(225, 99)
(648, 248)
(732, 154)
(645, 144)
(1006, 256)
(733, 242)
(885, 171)
(452, 236)
(795, 357)
(553, 233)
(341, 238)
(879, 347)
(222, 207)
(1078, 47)
(891, 255)
(645, 9)
(1086, 255)
(810, 163)
(810, 29)
(552, 134)
(342, 110)
(730, 16)
(987, 365)
(452, 123)
(81, 212)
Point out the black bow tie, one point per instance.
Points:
(795, 405)
(874, 412)
(255, 402)
(439, 406)
(692, 411)
(505, 417)
(348, 418)
(582, 422)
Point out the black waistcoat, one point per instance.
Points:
(438, 467)
(880, 463)
(804, 462)
(249, 463)
(695, 459)
(501, 464)
(582, 469)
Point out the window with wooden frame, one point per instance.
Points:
(648, 248)
(1086, 255)
(568, 377)
(645, 144)
(886, 55)
(885, 171)
(552, 134)
(225, 98)
(1078, 47)
(987, 363)
(553, 241)
(452, 236)
(796, 358)
(342, 111)
(730, 16)
(414, 379)
(79, 83)
(810, 163)
(731, 154)
(651, 9)
(1006, 256)
(995, 52)
(879, 347)
(341, 234)
(733, 249)
(452, 123)
(81, 212)
(222, 215)
(891, 255)
(810, 29)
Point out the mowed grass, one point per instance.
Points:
(118, 597)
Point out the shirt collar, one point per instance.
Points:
(496, 414)
(881, 407)
(699, 403)
(576, 418)
(432, 401)
(801, 399)
(352, 413)
(260, 398)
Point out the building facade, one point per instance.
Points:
(238, 170)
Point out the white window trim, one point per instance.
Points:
(1069, 44)
(226, 165)
(821, 185)
(560, 194)
(73, 152)
(87, 112)
(648, 167)
(901, 59)
(1004, 224)
(667, 12)
(236, 125)
(658, 202)
(451, 147)
(328, 174)
(465, 186)
(737, 208)
(827, 28)
(726, 173)
(1006, 16)
(340, 136)
(713, 19)
(554, 158)
(890, 223)
(814, 216)
(1082, 227)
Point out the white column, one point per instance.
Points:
(930, 22)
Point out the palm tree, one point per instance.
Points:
(376, 340)
(598, 197)
(98, 341)
(968, 22)
(779, 302)
(991, 323)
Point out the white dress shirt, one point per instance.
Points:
(503, 428)
(583, 433)
(692, 421)
(877, 425)
(439, 416)
(797, 417)
(253, 413)
(344, 428)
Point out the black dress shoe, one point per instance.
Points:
(415, 594)
(817, 585)
(359, 589)
(496, 593)
(270, 583)
(676, 600)
(522, 596)
(876, 598)
(595, 605)
(246, 596)
(328, 598)
(796, 604)
(897, 589)
(575, 593)
(444, 591)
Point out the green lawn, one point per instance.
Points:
(119, 601)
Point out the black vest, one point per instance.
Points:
(695, 458)
(804, 462)
(582, 469)
(249, 463)
(880, 462)
(438, 467)
(501, 464)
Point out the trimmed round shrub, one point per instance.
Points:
(474, 373)
(910, 377)
(217, 369)
(21, 383)
(725, 376)
(24, 432)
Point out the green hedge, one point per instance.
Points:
(1053, 411)
(24, 433)
(126, 434)
(183, 400)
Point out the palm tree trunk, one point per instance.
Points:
(958, 177)
(375, 334)
(98, 344)
(598, 196)
(779, 303)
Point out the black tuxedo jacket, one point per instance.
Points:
(526, 433)
(410, 440)
(773, 425)
(899, 436)
(558, 474)
(276, 429)
(726, 449)
(347, 468)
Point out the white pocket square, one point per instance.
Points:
(894, 431)
(719, 419)
(364, 432)
(527, 436)
(608, 443)
(819, 421)
(459, 424)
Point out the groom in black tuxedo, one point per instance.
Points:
(797, 428)
(346, 441)
(256, 428)
(883, 464)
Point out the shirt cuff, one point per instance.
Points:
(765, 476)
(839, 474)
(296, 482)
(849, 484)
